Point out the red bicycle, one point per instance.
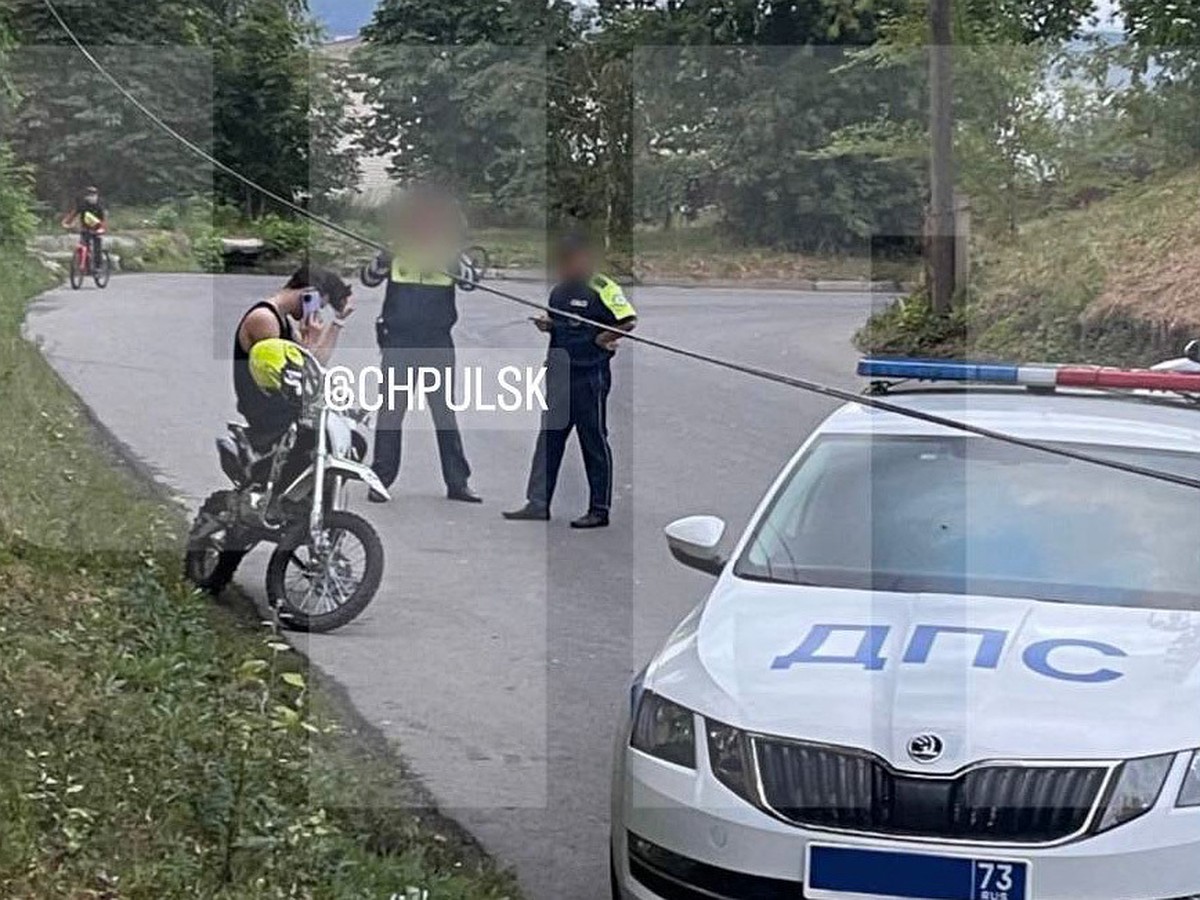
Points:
(84, 264)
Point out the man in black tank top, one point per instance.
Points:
(283, 316)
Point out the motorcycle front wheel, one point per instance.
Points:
(321, 590)
(209, 564)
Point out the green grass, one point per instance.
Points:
(705, 251)
(1113, 283)
(155, 747)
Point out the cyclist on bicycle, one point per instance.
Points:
(91, 217)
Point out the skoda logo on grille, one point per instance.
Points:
(926, 748)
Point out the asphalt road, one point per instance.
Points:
(498, 654)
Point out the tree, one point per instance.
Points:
(16, 220)
(1008, 132)
(277, 114)
(243, 80)
(73, 127)
(458, 95)
(746, 124)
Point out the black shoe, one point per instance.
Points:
(463, 495)
(592, 520)
(376, 497)
(530, 512)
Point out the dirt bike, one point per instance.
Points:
(328, 562)
(84, 264)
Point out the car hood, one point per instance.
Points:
(740, 658)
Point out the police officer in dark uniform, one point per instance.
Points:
(414, 331)
(578, 380)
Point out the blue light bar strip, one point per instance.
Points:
(938, 370)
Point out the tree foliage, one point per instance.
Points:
(236, 76)
(16, 220)
(629, 134)
(457, 93)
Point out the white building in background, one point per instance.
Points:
(376, 184)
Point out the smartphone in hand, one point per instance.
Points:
(311, 304)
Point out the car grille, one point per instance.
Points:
(847, 790)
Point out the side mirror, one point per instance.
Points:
(693, 541)
(1192, 351)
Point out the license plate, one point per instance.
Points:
(840, 873)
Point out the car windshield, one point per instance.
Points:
(967, 516)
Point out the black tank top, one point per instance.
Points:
(267, 414)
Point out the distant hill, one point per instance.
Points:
(343, 18)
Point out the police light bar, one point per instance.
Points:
(1030, 375)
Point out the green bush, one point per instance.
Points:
(17, 221)
(167, 217)
(283, 237)
(207, 249)
(910, 327)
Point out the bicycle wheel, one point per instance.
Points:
(103, 270)
(77, 270)
(479, 259)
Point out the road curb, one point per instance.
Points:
(798, 285)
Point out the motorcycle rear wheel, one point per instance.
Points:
(309, 600)
(209, 564)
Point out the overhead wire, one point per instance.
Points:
(790, 381)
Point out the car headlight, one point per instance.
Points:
(729, 756)
(1189, 794)
(1139, 783)
(664, 730)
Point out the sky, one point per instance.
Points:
(343, 18)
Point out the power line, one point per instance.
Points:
(803, 384)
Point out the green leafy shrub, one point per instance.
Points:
(17, 221)
(910, 327)
(207, 249)
(167, 217)
(283, 237)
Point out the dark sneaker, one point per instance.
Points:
(592, 520)
(530, 512)
(463, 495)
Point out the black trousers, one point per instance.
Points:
(403, 362)
(95, 245)
(578, 397)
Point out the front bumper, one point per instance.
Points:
(679, 834)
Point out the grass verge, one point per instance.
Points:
(1113, 283)
(153, 747)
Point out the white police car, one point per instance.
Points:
(937, 665)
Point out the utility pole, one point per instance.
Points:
(940, 228)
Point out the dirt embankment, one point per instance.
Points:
(1117, 282)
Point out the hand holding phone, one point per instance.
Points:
(311, 304)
